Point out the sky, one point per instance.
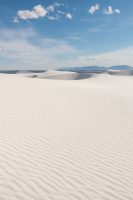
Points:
(48, 34)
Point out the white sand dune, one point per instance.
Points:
(121, 72)
(58, 75)
(66, 140)
(68, 75)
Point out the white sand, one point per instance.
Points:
(66, 140)
(58, 75)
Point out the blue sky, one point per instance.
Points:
(49, 34)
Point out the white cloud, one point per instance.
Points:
(19, 51)
(108, 11)
(58, 4)
(50, 17)
(37, 12)
(51, 8)
(24, 49)
(69, 16)
(117, 11)
(40, 11)
(26, 14)
(94, 8)
(15, 20)
(61, 12)
(118, 57)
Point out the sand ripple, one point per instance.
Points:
(61, 140)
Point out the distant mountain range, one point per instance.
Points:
(89, 69)
(20, 71)
(96, 69)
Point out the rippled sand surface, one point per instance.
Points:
(66, 140)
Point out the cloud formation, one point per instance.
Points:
(52, 7)
(117, 11)
(21, 49)
(18, 51)
(15, 20)
(52, 12)
(40, 11)
(56, 17)
(69, 16)
(117, 57)
(94, 8)
(110, 11)
(37, 12)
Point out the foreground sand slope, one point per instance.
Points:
(66, 140)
